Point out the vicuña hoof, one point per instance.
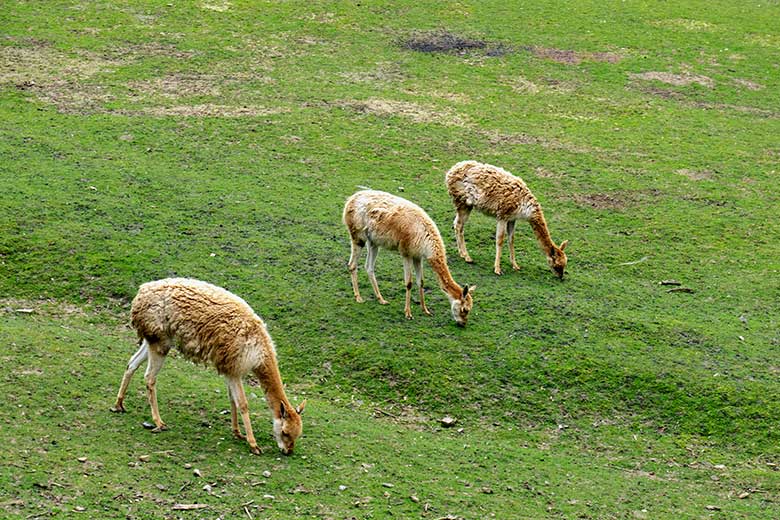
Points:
(497, 271)
(359, 299)
(383, 302)
(238, 435)
(516, 267)
(118, 408)
(153, 428)
(256, 450)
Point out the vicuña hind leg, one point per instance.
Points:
(234, 414)
(460, 223)
(418, 272)
(132, 365)
(408, 284)
(152, 369)
(510, 229)
(353, 259)
(500, 235)
(373, 252)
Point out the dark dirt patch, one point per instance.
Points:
(615, 200)
(447, 42)
(570, 57)
(601, 200)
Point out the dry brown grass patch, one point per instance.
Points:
(42, 64)
(695, 175)
(570, 57)
(416, 112)
(180, 85)
(207, 110)
(678, 80)
(750, 85)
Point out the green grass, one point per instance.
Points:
(141, 140)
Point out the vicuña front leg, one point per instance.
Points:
(500, 235)
(510, 229)
(237, 391)
(408, 285)
(418, 273)
(373, 252)
(152, 369)
(353, 259)
(460, 223)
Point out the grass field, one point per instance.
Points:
(219, 140)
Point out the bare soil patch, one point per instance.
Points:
(616, 200)
(678, 80)
(570, 57)
(448, 42)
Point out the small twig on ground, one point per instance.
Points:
(246, 510)
(188, 483)
(669, 282)
(187, 507)
(383, 412)
(643, 259)
(681, 289)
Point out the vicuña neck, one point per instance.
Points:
(539, 225)
(438, 263)
(272, 385)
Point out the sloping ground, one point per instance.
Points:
(219, 141)
(67, 454)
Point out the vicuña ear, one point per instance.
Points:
(465, 291)
(282, 411)
(564, 244)
(552, 252)
(472, 288)
(301, 407)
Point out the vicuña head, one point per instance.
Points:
(556, 258)
(461, 307)
(288, 427)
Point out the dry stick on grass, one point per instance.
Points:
(187, 507)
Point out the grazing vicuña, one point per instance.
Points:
(213, 326)
(377, 219)
(497, 193)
